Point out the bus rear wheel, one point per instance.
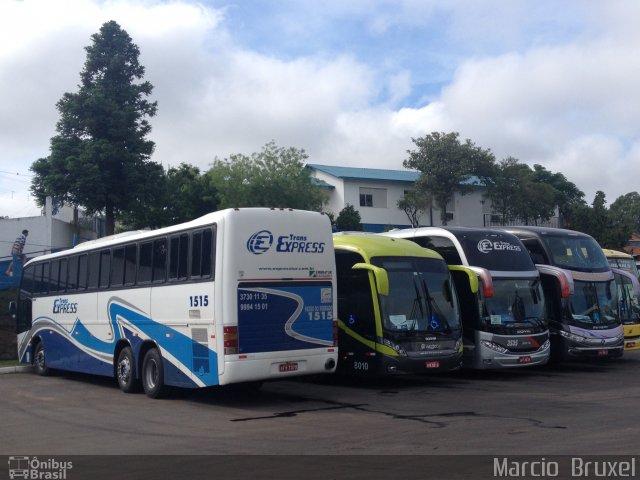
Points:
(153, 374)
(125, 372)
(40, 362)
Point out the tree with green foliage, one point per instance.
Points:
(275, 177)
(414, 204)
(349, 219)
(185, 194)
(568, 195)
(447, 165)
(504, 186)
(100, 157)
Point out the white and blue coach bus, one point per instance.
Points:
(239, 295)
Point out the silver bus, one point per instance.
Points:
(504, 323)
(580, 291)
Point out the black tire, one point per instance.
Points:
(153, 374)
(126, 373)
(39, 361)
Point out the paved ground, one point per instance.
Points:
(577, 409)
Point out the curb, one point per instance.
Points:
(18, 369)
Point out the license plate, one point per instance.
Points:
(603, 353)
(525, 359)
(434, 364)
(288, 367)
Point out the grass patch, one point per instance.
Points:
(9, 363)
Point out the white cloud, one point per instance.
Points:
(565, 98)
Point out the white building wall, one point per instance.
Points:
(387, 214)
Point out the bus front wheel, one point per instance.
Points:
(39, 361)
(125, 371)
(153, 374)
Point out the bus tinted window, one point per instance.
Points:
(202, 253)
(145, 262)
(93, 270)
(63, 275)
(44, 280)
(72, 277)
(160, 260)
(83, 264)
(105, 268)
(495, 251)
(117, 267)
(54, 276)
(179, 261)
(130, 262)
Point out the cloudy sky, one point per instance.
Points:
(350, 82)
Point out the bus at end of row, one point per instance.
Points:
(580, 291)
(398, 308)
(236, 296)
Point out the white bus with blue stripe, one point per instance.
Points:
(239, 295)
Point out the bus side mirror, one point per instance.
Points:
(380, 274)
(13, 310)
(473, 276)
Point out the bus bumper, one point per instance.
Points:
(440, 363)
(486, 359)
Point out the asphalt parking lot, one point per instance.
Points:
(575, 409)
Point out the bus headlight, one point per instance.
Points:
(458, 346)
(493, 346)
(545, 345)
(573, 337)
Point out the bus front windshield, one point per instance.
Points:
(515, 304)
(594, 304)
(421, 295)
(575, 252)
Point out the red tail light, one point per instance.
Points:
(230, 340)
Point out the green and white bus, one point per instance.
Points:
(398, 309)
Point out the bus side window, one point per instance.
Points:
(178, 257)
(355, 303)
(105, 268)
(202, 253)
(145, 262)
(93, 270)
(130, 262)
(83, 272)
(117, 267)
(72, 278)
(54, 276)
(443, 245)
(160, 260)
(536, 252)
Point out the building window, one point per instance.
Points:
(373, 197)
(366, 200)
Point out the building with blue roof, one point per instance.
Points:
(375, 193)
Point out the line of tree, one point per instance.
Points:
(100, 159)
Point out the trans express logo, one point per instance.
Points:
(62, 305)
(487, 246)
(260, 242)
